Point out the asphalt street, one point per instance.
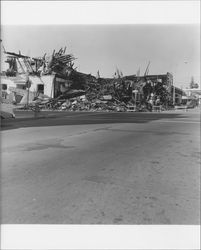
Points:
(101, 168)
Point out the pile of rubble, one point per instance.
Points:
(79, 103)
(76, 91)
(98, 95)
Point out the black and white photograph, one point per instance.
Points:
(100, 122)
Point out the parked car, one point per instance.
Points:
(191, 104)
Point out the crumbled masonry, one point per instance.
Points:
(76, 91)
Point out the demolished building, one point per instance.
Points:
(56, 84)
(40, 75)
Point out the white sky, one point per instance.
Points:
(169, 48)
(167, 33)
(104, 35)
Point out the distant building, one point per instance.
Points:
(193, 93)
(178, 95)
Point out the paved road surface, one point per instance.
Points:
(101, 168)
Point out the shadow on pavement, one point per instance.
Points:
(60, 119)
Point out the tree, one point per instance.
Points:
(193, 85)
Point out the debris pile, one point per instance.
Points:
(79, 103)
(106, 95)
(75, 91)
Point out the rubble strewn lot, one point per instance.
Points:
(53, 83)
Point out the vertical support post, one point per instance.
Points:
(173, 95)
(135, 92)
(27, 85)
(135, 99)
(28, 96)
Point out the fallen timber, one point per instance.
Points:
(76, 91)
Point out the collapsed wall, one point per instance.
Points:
(55, 83)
